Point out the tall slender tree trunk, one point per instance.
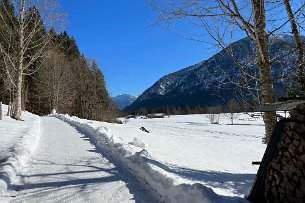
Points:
(0, 110)
(299, 46)
(17, 109)
(263, 63)
(53, 88)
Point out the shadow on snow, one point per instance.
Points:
(113, 174)
(240, 184)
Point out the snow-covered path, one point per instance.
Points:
(65, 167)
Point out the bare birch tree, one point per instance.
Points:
(31, 18)
(225, 20)
(298, 43)
(53, 75)
(231, 110)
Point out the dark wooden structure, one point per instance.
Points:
(258, 191)
(281, 106)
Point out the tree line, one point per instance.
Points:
(41, 69)
(232, 106)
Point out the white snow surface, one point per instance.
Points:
(183, 158)
(191, 150)
(18, 141)
(67, 168)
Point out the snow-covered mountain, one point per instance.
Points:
(124, 100)
(214, 81)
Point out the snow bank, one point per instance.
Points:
(137, 163)
(138, 143)
(11, 161)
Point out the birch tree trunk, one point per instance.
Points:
(263, 63)
(299, 46)
(17, 109)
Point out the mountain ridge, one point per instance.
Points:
(212, 81)
(124, 100)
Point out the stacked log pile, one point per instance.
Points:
(285, 179)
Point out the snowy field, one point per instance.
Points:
(189, 149)
(185, 150)
(181, 159)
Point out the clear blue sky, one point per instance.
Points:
(132, 52)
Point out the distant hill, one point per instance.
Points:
(124, 100)
(213, 82)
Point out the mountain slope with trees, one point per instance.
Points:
(218, 80)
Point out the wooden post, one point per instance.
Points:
(0, 110)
